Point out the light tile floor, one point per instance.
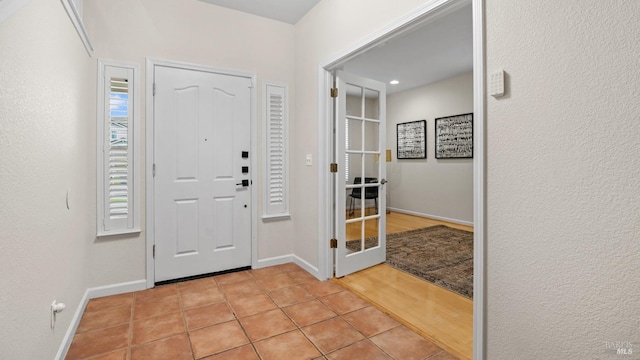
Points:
(279, 312)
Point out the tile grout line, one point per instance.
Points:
(184, 322)
(235, 315)
(298, 328)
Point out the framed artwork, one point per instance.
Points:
(412, 140)
(454, 137)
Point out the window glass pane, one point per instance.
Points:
(372, 104)
(371, 233)
(354, 100)
(371, 136)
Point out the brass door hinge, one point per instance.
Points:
(334, 92)
(333, 167)
(333, 243)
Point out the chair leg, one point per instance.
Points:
(350, 207)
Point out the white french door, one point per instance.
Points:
(201, 155)
(360, 190)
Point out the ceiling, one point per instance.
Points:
(439, 49)
(288, 11)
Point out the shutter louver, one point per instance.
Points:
(118, 200)
(276, 150)
(118, 148)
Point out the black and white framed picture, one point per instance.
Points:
(454, 137)
(412, 140)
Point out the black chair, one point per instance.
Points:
(369, 192)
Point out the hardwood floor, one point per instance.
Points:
(441, 316)
(396, 222)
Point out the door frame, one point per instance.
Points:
(151, 63)
(414, 18)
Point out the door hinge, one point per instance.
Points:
(154, 170)
(154, 251)
(334, 92)
(333, 168)
(154, 89)
(333, 243)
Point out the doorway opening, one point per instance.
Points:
(429, 13)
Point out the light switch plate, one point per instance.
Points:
(496, 83)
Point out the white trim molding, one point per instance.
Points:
(284, 259)
(479, 181)
(131, 223)
(435, 217)
(275, 125)
(76, 18)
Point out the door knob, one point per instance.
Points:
(243, 183)
(383, 181)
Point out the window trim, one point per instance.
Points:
(285, 214)
(134, 145)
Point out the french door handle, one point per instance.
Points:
(383, 181)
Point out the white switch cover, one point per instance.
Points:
(496, 83)
(309, 160)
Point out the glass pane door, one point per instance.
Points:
(360, 196)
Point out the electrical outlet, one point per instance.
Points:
(309, 160)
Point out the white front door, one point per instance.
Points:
(360, 190)
(201, 158)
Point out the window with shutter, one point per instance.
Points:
(276, 201)
(346, 154)
(118, 210)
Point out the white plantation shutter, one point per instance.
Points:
(276, 202)
(346, 154)
(117, 134)
(118, 154)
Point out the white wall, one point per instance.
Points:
(200, 33)
(563, 166)
(563, 179)
(328, 29)
(46, 137)
(441, 188)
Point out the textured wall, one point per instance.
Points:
(330, 27)
(437, 187)
(47, 142)
(200, 33)
(563, 179)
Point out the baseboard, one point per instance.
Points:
(278, 260)
(94, 293)
(313, 270)
(117, 289)
(435, 217)
(71, 330)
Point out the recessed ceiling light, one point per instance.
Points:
(394, 82)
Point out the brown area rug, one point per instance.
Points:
(438, 254)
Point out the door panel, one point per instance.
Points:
(202, 210)
(360, 195)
